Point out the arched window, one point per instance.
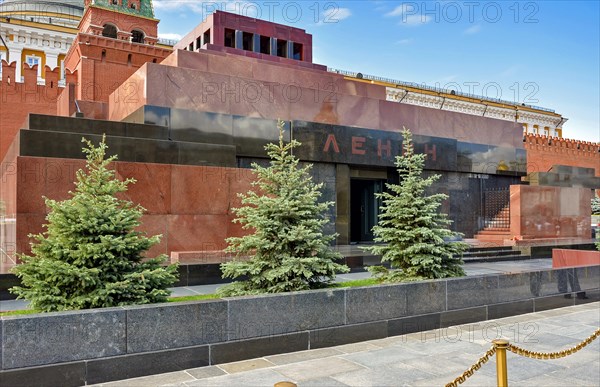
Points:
(129, 60)
(137, 36)
(133, 6)
(109, 31)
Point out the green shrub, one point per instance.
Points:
(415, 235)
(90, 256)
(288, 248)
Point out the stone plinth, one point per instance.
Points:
(574, 258)
(538, 212)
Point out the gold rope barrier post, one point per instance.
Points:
(501, 346)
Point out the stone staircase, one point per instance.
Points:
(493, 254)
(497, 229)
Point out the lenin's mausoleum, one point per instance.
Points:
(187, 121)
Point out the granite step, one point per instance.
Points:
(504, 258)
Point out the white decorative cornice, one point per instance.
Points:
(473, 108)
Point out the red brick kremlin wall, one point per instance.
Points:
(543, 152)
(18, 99)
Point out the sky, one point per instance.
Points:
(543, 53)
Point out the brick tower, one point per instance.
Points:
(128, 20)
(116, 37)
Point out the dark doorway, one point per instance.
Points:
(364, 208)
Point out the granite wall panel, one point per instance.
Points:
(277, 314)
(168, 192)
(411, 324)
(375, 303)
(63, 337)
(510, 309)
(463, 316)
(176, 325)
(204, 127)
(328, 337)
(554, 282)
(425, 297)
(574, 258)
(472, 291)
(250, 135)
(64, 375)
(518, 286)
(330, 142)
(68, 145)
(130, 96)
(342, 203)
(550, 212)
(152, 187)
(197, 232)
(190, 183)
(552, 302)
(588, 277)
(149, 363)
(258, 347)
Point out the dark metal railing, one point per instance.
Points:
(496, 209)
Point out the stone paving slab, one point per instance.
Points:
(205, 372)
(171, 378)
(246, 365)
(310, 369)
(321, 382)
(296, 357)
(423, 359)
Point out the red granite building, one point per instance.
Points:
(187, 124)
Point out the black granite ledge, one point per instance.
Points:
(50, 123)
(39, 143)
(95, 346)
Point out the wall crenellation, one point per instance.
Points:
(545, 151)
(52, 79)
(556, 143)
(19, 97)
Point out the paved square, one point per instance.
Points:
(422, 359)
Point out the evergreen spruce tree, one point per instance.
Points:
(414, 233)
(89, 256)
(596, 205)
(596, 211)
(288, 248)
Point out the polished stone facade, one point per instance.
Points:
(340, 156)
(341, 153)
